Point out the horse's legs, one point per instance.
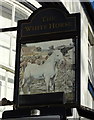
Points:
(52, 81)
(26, 85)
(22, 86)
(29, 85)
(21, 91)
(29, 90)
(53, 84)
(47, 79)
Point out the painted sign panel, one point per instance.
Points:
(47, 67)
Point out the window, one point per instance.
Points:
(91, 62)
(19, 15)
(90, 52)
(10, 80)
(5, 14)
(90, 66)
(7, 48)
(6, 10)
(91, 88)
(2, 78)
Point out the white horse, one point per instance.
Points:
(46, 71)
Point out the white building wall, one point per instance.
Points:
(10, 12)
(75, 7)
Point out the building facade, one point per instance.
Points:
(87, 46)
(10, 12)
(87, 55)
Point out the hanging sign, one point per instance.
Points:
(47, 59)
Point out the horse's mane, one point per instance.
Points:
(50, 57)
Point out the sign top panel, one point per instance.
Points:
(48, 21)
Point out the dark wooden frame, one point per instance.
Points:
(20, 100)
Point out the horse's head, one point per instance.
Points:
(58, 56)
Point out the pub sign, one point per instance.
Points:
(48, 58)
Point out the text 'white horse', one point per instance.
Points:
(46, 71)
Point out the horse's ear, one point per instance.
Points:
(50, 53)
(63, 51)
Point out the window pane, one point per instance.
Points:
(5, 14)
(8, 48)
(5, 39)
(10, 86)
(11, 12)
(19, 15)
(4, 56)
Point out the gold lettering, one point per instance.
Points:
(47, 26)
(35, 28)
(58, 25)
(50, 26)
(27, 28)
(48, 19)
(43, 19)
